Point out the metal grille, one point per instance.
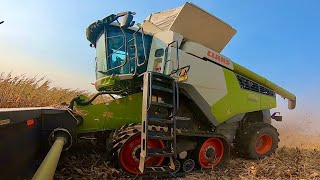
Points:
(250, 85)
(266, 91)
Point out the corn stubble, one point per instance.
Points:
(87, 160)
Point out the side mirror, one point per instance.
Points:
(127, 20)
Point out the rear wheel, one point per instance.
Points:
(257, 141)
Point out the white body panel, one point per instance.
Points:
(207, 77)
(161, 41)
(204, 52)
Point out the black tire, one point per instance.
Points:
(248, 141)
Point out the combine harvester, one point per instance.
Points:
(179, 106)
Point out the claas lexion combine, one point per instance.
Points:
(178, 104)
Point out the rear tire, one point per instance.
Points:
(257, 141)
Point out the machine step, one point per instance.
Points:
(165, 81)
(162, 76)
(157, 169)
(160, 153)
(160, 120)
(182, 118)
(160, 88)
(161, 104)
(159, 136)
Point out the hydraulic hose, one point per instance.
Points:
(81, 103)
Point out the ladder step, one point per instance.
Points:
(182, 118)
(159, 88)
(162, 80)
(161, 104)
(158, 169)
(159, 153)
(160, 120)
(159, 136)
(162, 76)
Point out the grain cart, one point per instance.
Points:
(178, 103)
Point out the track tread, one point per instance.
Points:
(121, 135)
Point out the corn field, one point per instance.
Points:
(25, 91)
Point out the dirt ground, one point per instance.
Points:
(298, 157)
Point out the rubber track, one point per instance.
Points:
(126, 132)
(121, 136)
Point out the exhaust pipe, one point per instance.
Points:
(188, 165)
(62, 140)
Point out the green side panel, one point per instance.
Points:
(106, 82)
(263, 81)
(112, 115)
(267, 102)
(124, 111)
(239, 101)
(93, 117)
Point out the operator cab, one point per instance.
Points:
(121, 52)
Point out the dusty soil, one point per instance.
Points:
(297, 158)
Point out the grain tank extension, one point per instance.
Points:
(178, 103)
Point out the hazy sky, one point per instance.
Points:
(277, 39)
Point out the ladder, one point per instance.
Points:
(160, 92)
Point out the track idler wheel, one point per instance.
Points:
(212, 152)
(188, 165)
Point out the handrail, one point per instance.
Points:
(150, 90)
(177, 57)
